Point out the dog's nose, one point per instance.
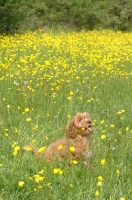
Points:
(89, 122)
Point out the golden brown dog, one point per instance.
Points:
(76, 143)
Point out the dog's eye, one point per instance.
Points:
(89, 122)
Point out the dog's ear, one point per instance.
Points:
(70, 129)
(77, 119)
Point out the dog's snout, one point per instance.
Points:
(89, 121)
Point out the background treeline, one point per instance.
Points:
(89, 14)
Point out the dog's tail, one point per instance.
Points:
(38, 153)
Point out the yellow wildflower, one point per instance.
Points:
(41, 150)
(26, 110)
(103, 137)
(102, 122)
(103, 161)
(100, 178)
(60, 146)
(99, 183)
(73, 161)
(72, 149)
(97, 193)
(20, 183)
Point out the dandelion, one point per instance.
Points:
(103, 137)
(33, 141)
(72, 149)
(103, 161)
(1, 165)
(34, 189)
(119, 113)
(118, 171)
(122, 198)
(127, 129)
(20, 183)
(28, 119)
(119, 132)
(97, 193)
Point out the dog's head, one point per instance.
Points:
(80, 124)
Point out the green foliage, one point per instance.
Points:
(88, 14)
(10, 15)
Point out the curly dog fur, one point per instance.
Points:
(74, 145)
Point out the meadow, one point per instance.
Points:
(45, 79)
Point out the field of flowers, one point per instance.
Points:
(45, 79)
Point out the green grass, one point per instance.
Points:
(38, 71)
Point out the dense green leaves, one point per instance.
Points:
(87, 14)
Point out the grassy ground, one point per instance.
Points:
(45, 79)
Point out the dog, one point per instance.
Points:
(74, 145)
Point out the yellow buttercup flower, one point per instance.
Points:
(72, 149)
(71, 93)
(28, 119)
(102, 122)
(26, 110)
(60, 146)
(117, 171)
(112, 125)
(58, 171)
(42, 149)
(103, 161)
(97, 193)
(99, 183)
(20, 183)
(103, 137)
(100, 178)
(71, 185)
(73, 162)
